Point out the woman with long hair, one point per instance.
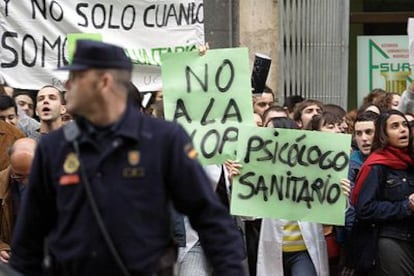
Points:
(384, 200)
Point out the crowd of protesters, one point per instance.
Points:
(378, 236)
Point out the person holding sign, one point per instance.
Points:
(291, 247)
(331, 122)
(384, 200)
(101, 186)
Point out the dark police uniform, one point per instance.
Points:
(134, 167)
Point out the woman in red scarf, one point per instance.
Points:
(384, 198)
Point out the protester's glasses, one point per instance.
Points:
(19, 177)
(411, 124)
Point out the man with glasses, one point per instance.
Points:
(13, 180)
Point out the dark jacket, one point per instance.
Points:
(355, 163)
(382, 210)
(134, 168)
(383, 200)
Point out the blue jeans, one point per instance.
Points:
(298, 264)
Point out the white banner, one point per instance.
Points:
(33, 35)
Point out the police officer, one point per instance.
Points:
(115, 170)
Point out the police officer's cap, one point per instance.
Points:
(98, 55)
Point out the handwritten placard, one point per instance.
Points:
(291, 174)
(210, 96)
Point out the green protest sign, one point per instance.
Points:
(291, 174)
(73, 37)
(217, 142)
(208, 95)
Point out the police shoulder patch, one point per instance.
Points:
(190, 151)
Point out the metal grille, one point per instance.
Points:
(313, 54)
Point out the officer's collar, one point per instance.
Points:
(126, 126)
